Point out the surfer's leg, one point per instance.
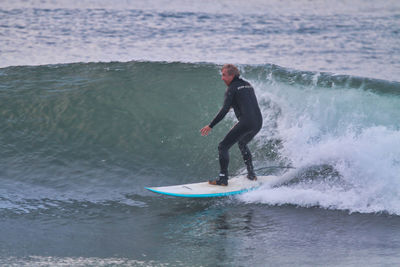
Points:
(223, 148)
(248, 160)
(246, 154)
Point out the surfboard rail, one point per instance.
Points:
(222, 194)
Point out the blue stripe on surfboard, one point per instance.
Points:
(204, 195)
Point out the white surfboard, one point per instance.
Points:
(236, 185)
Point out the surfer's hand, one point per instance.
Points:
(205, 130)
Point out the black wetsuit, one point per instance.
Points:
(241, 97)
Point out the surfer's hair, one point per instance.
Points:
(232, 69)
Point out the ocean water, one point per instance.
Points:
(99, 99)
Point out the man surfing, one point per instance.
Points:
(241, 97)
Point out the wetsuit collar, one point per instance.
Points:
(236, 78)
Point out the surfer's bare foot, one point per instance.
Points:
(218, 182)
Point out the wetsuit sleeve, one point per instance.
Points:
(229, 94)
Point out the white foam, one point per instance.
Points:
(353, 131)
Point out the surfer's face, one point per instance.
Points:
(226, 77)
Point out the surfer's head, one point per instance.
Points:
(229, 72)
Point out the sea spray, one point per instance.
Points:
(353, 131)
